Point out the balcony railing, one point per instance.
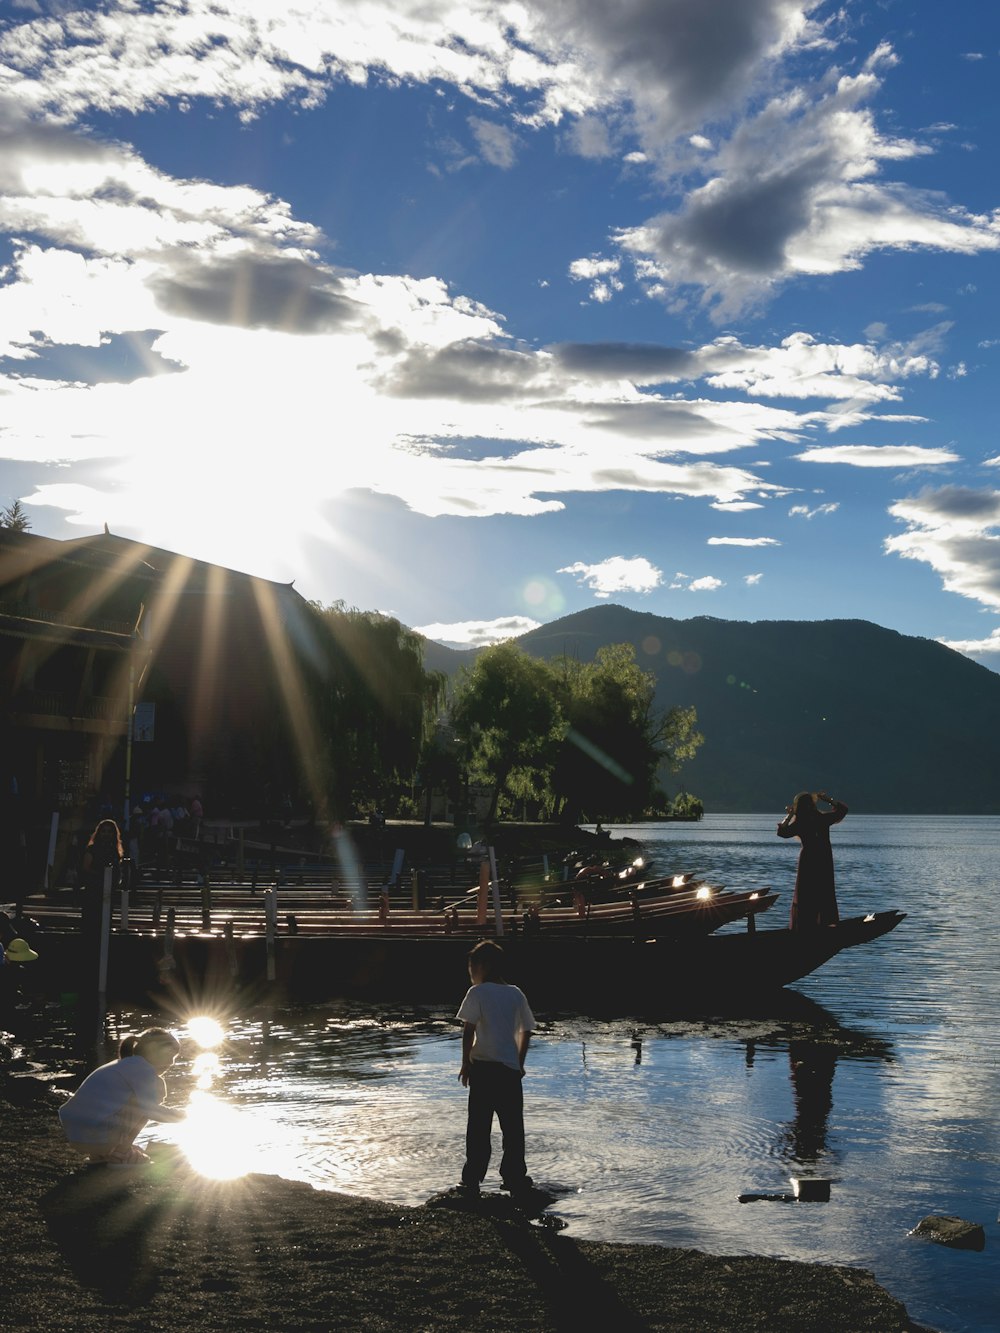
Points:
(27, 611)
(49, 703)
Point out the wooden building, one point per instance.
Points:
(126, 669)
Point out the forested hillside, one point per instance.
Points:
(887, 722)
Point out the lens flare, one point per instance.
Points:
(205, 1032)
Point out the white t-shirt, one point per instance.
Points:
(94, 1114)
(500, 1014)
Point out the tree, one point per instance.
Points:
(617, 741)
(506, 713)
(373, 705)
(14, 518)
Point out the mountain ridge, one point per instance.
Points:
(891, 723)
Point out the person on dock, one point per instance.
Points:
(111, 1105)
(814, 902)
(104, 850)
(498, 1023)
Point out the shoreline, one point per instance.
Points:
(158, 1248)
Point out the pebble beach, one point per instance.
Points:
(159, 1248)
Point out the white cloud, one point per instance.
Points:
(602, 274)
(795, 193)
(743, 541)
(752, 579)
(497, 143)
(478, 633)
(803, 511)
(955, 530)
(800, 367)
(707, 583)
(975, 647)
(879, 455)
(617, 574)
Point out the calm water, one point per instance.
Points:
(881, 1072)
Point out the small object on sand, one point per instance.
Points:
(806, 1189)
(954, 1232)
(811, 1189)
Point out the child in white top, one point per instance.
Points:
(114, 1103)
(498, 1025)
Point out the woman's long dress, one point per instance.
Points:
(814, 902)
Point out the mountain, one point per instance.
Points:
(884, 721)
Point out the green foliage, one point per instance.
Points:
(508, 719)
(616, 741)
(686, 806)
(579, 738)
(12, 516)
(373, 706)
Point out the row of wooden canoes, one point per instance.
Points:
(651, 910)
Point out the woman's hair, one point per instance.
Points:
(489, 957)
(149, 1040)
(104, 827)
(804, 805)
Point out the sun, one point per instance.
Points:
(205, 1031)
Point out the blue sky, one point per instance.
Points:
(482, 313)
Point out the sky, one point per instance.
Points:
(479, 314)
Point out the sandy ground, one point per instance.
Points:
(157, 1248)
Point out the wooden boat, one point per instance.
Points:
(588, 971)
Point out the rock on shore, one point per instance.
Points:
(85, 1250)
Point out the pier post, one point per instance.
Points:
(167, 962)
(482, 898)
(497, 909)
(123, 916)
(157, 909)
(50, 856)
(270, 929)
(102, 961)
(227, 931)
(206, 906)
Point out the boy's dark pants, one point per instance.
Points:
(494, 1089)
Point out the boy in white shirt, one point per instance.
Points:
(495, 1038)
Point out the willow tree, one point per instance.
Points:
(507, 715)
(373, 704)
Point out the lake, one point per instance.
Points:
(880, 1072)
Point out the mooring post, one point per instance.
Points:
(50, 859)
(482, 897)
(168, 940)
(123, 918)
(227, 931)
(497, 909)
(206, 906)
(102, 962)
(157, 909)
(270, 929)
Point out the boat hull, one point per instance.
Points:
(582, 973)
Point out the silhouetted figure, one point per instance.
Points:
(815, 900)
(103, 850)
(497, 1032)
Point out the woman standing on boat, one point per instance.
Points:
(814, 902)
